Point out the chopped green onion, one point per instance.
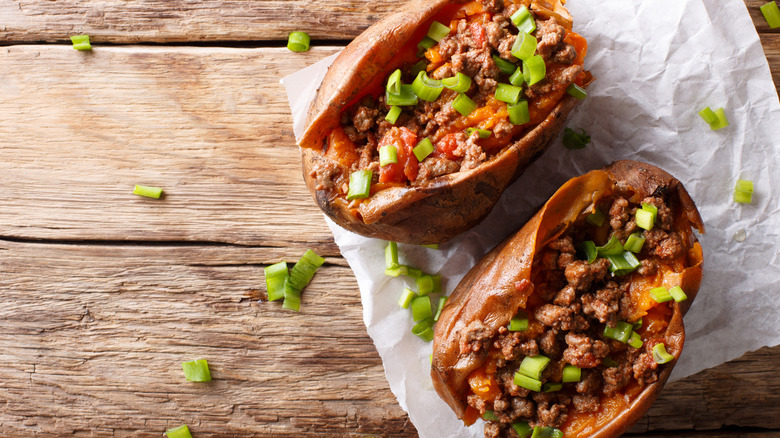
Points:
(660, 355)
(81, 42)
(528, 382)
(743, 191)
(196, 371)
(424, 330)
(634, 243)
(517, 79)
(644, 219)
(613, 247)
(522, 429)
(442, 301)
(621, 332)
(388, 154)
(292, 296)
(423, 149)
(459, 83)
(274, 280)
(576, 91)
(678, 294)
(771, 14)
(546, 432)
(298, 41)
(505, 66)
(149, 192)
(426, 88)
(575, 140)
(394, 82)
(463, 104)
(406, 298)
(508, 93)
(421, 65)
(413, 272)
(425, 284)
(489, 416)
(392, 115)
(536, 68)
(622, 264)
(708, 115)
(421, 308)
(596, 218)
(519, 323)
(426, 43)
(430, 245)
(588, 248)
(436, 283)
(391, 255)
(525, 47)
(722, 121)
(437, 31)
(360, 184)
(179, 432)
(406, 97)
(552, 387)
(635, 340)
(637, 324)
(609, 362)
(660, 294)
(532, 366)
(482, 133)
(300, 275)
(396, 271)
(571, 374)
(520, 16)
(518, 113)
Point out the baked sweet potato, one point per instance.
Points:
(474, 153)
(574, 307)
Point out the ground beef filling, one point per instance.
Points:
(468, 49)
(574, 302)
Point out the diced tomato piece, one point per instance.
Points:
(446, 146)
(405, 169)
(478, 34)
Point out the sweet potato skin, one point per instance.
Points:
(488, 293)
(436, 210)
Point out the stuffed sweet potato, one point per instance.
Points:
(574, 323)
(425, 118)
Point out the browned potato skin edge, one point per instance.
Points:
(487, 293)
(439, 209)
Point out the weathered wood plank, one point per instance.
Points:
(92, 337)
(210, 126)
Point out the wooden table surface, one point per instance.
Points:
(104, 293)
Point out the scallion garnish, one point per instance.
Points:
(519, 323)
(360, 184)
(81, 42)
(522, 429)
(771, 14)
(292, 296)
(508, 93)
(426, 43)
(637, 324)
(635, 340)
(722, 121)
(179, 432)
(437, 31)
(149, 192)
(442, 302)
(660, 355)
(634, 243)
(394, 82)
(481, 133)
(388, 154)
(708, 115)
(622, 264)
(537, 70)
(424, 330)
(678, 294)
(392, 115)
(489, 416)
(405, 97)
(596, 218)
(459, 83)
(525, 47)
(298, 41)
(529, 383)
(396, 271)
(391, 255)
(743, 191)
(274, 280)
(423, 149)
(406, 298)
(571, 374)
(613, 247)
(576, 91)
(426, 88)
(430, 245)
(196, 371)
(552, 387)
(660, 294)
(589, 251)
(575, 140)
(421, 308)
(463, 104)
(413, 272)
(532, 366)
(621, 332)
(505, 66)
(518, 113)
(517, 79)
(521, 15)
(546, 432)
(424, 284)
(644, 219)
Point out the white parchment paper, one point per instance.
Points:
(656, 63)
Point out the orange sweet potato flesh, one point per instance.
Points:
(488, 293)
(440, 208)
